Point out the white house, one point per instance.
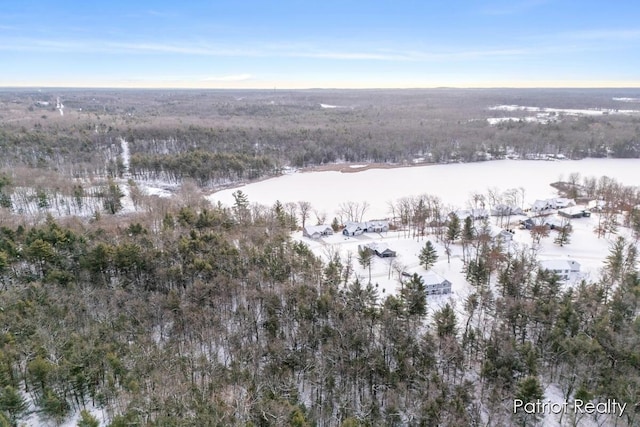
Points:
(376, 226)
(317, 231)
(475, 214)
(506, 210)
(562, 202)
(353, 229)
(357, 228)
(564, 268)
(544, 206)
(499, 234)
(541, 206)
(435, 284)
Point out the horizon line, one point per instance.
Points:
(275, 88)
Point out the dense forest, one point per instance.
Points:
(213, 316)
(217, 137)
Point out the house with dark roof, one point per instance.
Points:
(317, 231)
(380, 249)
(574, 212)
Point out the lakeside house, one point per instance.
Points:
(506, 210)
(434, 284)
(373, 226)
(317, 231)
(564, 268)
(545, 206)
(574, 212)
(380, 249)
(475, 214)
(500, 235)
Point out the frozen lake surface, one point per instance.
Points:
(453, 183)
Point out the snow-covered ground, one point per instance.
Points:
(585, 247)
(34, 419)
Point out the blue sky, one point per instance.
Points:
(328, 43)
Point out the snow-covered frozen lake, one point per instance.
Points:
(453, 183)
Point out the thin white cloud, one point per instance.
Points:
(229, 78)
(263, 51)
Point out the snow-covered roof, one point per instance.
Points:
(473, 213)
(311, 229)
(563, 202)
(539, 205)
(376, 246)
(502, 209)
(560, 264)
(431, 278)
(572, 210)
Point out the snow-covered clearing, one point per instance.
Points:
(627, 99)
(126, 155)
(329, 106)
(127, 201)
(567, 111)
(545, 115)
(539, 118)
(60, 106)
(585, 248)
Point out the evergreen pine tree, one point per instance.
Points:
(564, 234)
(414, 296)
(428, 255)
(87, 420)
(13, 404)
(453, 230)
